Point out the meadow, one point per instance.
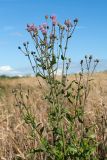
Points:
(14, 133)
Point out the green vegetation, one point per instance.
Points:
(66, 136)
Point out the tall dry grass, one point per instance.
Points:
(14, 140)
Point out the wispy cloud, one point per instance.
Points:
(11, 31)
(17, 34)
(81, 27)
(8, 28)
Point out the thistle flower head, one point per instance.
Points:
(90, 57)
(44, 31)
(54, 21)
(53, 17)
(44, 25)
(96, 60)
(46, 17)
(52, 35)
(43, 28)
(68, 23)
(86, 56)
(81, 62)
(76, 20)
(24, 44)
(19, 47)
(31, 28)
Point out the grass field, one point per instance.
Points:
(14, 140)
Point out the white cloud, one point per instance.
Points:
(20, 75)
(5, 69)
(9, 71)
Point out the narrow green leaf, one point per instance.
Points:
(62, 57)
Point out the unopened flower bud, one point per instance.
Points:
(47, 27)
(85, 56)
(24, 44)
(46, 17)
(81, 62)
(54, 21)
(97, 61)
(90, 57)
(19, 47)
(32, 53)
(76, 20)
(62, 27)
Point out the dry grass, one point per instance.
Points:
(14, 139)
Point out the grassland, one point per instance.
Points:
(14, 140)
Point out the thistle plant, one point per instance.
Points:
(69, 136)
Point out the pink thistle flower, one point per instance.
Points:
(44, 25)
(53, 17)
(67, 29)
(46, 17)
(51, 35)
(41, 27)
(68, 23)
(31, 28)
(54, 22)
(44, 32)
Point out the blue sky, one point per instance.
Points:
(89, 38)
